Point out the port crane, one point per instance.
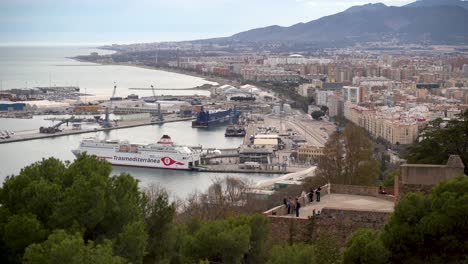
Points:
(56, 128)
(106, 123)
(160, 117)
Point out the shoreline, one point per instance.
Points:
(212, 79)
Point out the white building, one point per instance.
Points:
(322, 97)
(465, 70)
(352, 94)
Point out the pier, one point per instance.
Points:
(129, 124)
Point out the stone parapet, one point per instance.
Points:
(355, 189)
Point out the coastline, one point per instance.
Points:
(213, 79)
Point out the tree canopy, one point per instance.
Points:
(423, 229)
(317, 114)
(441, 139)
(78, 198)
(229, 240)
(348, 158)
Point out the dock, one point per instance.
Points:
(223, 169)
(37, 135)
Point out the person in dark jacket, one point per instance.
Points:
(317, 193)
(298, 205)
(311, 195)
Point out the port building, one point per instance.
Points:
(11, 106)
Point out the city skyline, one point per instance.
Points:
(104, 22)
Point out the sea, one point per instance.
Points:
(22, 67)
(27, 67)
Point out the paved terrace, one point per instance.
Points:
(347, 202)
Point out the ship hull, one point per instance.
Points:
(215, 119)
(211, 123)
(143, 160)
(234, 135)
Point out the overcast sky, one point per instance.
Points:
(128, 21)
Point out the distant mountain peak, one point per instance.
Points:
(366, 7)
(419, 3)
(413, 23)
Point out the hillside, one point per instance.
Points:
(420, 21)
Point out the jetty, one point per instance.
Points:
(18, 137)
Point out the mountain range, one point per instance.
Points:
(428, 21)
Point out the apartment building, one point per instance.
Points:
(309, 153)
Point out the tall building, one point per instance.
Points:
(352, 94)
(335, 105)
(465, 70)
(322, 97)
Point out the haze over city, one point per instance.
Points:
(55, 22)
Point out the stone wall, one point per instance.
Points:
(343, 222)
(422, 177)
(355, 189)
(288, 228)
(337, 221)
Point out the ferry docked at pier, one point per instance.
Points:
(162, 155)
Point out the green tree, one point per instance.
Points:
(231, 240)
(258, 249)
(159, 215)
(327, 248)
(36, 190)
(131, 243)
(19, 232)
(223, 241)
(317, 115)
(61, 247)
(297, 253)
(84, 204)
(365, 246)
(124, 204)
(78, 197)
(430, 228)
(423, 229)
(390, 177)
(441, 139)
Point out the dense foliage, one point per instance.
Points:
(317, 115)
(56, 212)
(77, 213)
(423, 229)
(79, 198)
(440, 140)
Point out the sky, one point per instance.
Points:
(133, 21)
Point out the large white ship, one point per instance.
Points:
(164, 154)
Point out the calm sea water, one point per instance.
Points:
(22, 67)
(33, 65)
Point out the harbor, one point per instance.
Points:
(240, 130)
(273, 139)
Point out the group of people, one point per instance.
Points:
(310, 196)
(293, 205)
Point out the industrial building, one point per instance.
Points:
(11, 106)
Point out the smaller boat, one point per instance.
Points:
(235, 131)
